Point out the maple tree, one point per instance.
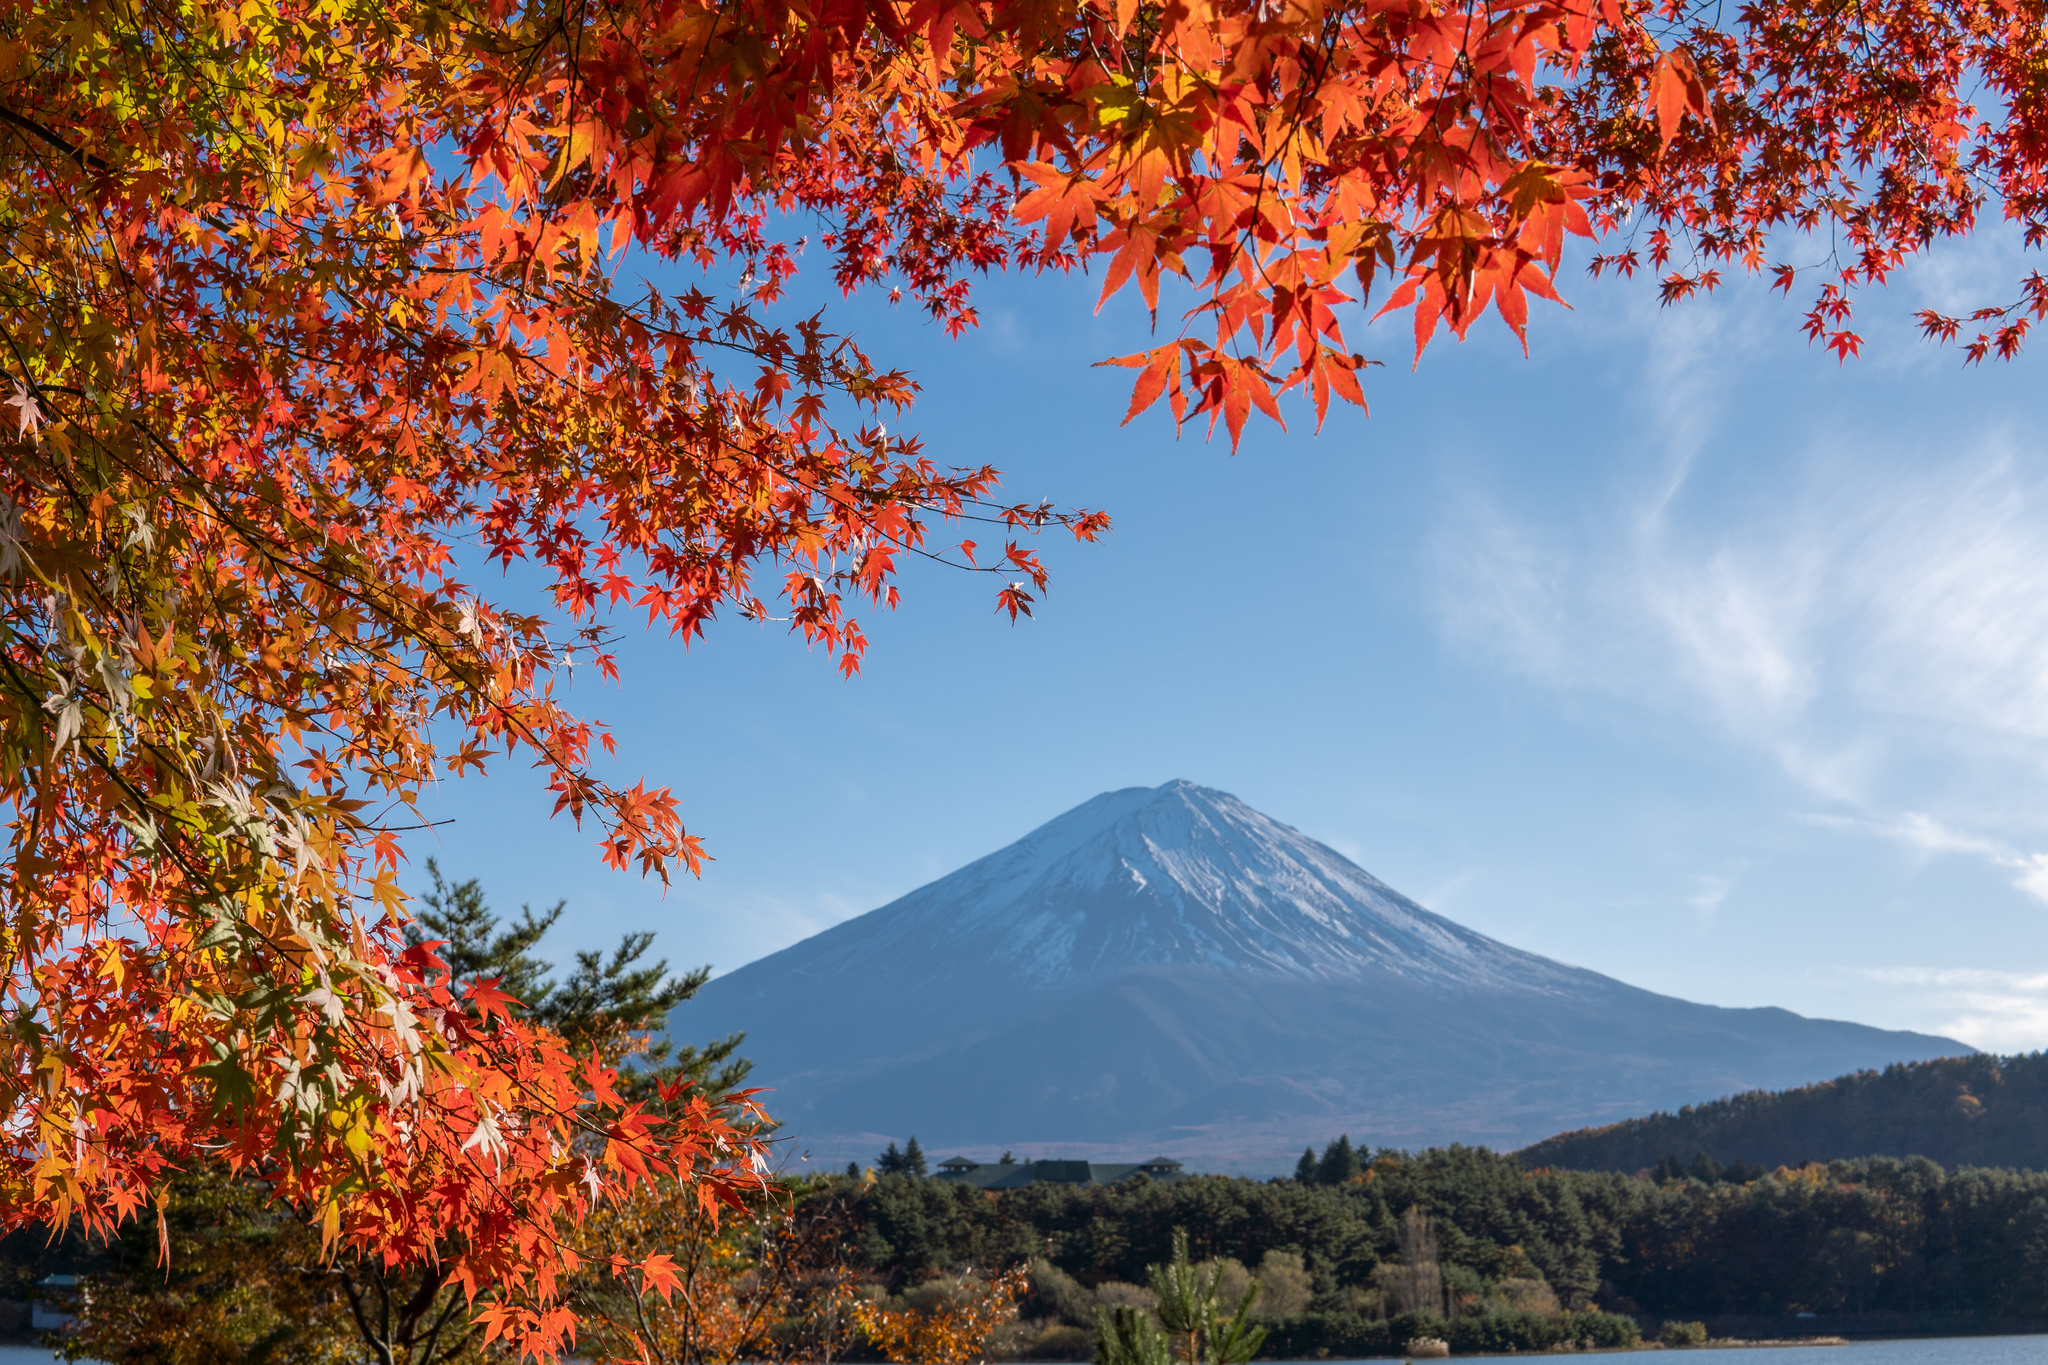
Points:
(777, 1284)
(239, 1276)
(952, 1322)
(781, 1283)
(312, 307)
(244, 1284)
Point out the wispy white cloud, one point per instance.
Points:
(1921, 594)
(1506, 591)
(1870, 613)
(1928, 835)
(1710, 893)
(1993, 1010)
(1918, 831)
(2032, 875)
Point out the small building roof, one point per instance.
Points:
(1017, 1174)
(1066, 1172)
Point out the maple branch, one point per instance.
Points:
(356, 1311)
(84, 158)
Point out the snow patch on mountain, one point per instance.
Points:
(1160, 876)
(1167, 968)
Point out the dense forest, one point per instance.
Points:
(1878, 1235)
(1959, 1111)
(1361, 1253)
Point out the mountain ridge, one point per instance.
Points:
(1981, 1110)
(1136, 969)
(1051, 879)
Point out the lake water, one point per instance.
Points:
(1939, 1351)
(1936, 1351)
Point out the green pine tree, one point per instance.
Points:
(1194, 1324)
(603, 1000)
(1340, 1164)
(913, 1158)
(1124, 1335)
(1305, 1169)
(475, 948)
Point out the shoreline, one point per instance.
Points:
(1834, 1338)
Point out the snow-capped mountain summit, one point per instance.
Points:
(1168, 966)
(1155, 877)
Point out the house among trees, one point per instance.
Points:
(1009, 1175)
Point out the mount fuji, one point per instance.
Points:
(1166, 968)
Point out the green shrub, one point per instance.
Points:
(1685, 1334)
(1403, 1328)
(1327, 1336)
(1520, 1330)
(1499, 1332)
(1061, 1341)
(1594, 1328)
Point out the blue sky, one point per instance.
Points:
(1676, 650)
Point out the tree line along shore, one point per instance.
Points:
(1360, 1253)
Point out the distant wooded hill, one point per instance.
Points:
(1958, 1111)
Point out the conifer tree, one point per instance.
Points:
(476, 947)
(1340, 1164)
(891, 1161)
(1305, 1169)
(418, 1316)
(1195, 1324)
(1125, 1335)
(612, 1003)
(913, 1158)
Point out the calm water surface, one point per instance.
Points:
(1937, 1351)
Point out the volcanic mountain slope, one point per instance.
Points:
(1166, 967)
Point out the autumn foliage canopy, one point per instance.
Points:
(304, 299)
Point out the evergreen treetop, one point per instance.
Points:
(1340, 1164)
(608, 1003)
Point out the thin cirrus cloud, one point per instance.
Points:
(1795, 574)
(1918, 830)
(1712, 891)
(1994, 1010)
